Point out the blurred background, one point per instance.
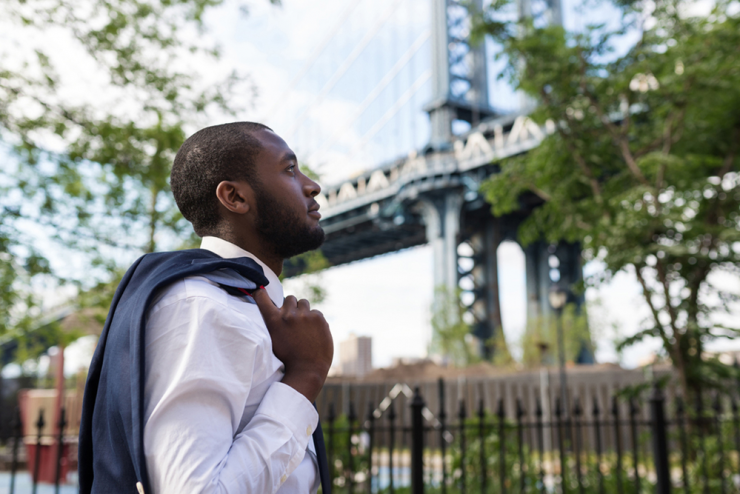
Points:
(507, 188)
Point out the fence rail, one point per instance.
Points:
(642, 444)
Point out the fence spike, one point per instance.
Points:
(500, 409)
(595, 410)
(538, 409)
(519, 409)
(442, 415)
(391, 412)
(40, 423)
(558, 410)
(462, 413)
(481, 409)
(370, 411)
(352, 416)
(577, 407)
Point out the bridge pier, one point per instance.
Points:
(545, 266)
(486, 307)
(441, 216)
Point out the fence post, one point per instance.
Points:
(391, 415)
(462, 414)
(17, 434)
(351, 418)
(370, 437)
(60, 449)
(660, 441)
(332, 416)
(442, 429)
(417, 443)
(40, 423)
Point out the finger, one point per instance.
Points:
(265, 305)
(290, 302)
(304, 305)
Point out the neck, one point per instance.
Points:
(253, 244)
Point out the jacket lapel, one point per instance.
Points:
(318, 441)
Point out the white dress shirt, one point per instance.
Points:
(217, 418)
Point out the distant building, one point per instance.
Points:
(356, 356)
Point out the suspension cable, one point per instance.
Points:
(370, 98)
(311, 60)
(405, 97)
(345, 65)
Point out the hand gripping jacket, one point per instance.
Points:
(111, 447)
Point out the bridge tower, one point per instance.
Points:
(456, 215)
(460, 72)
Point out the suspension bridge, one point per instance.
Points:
(416, 129)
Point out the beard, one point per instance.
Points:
(284, 230)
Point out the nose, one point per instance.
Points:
(311, 188)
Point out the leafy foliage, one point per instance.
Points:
(539, 341)
(451, 336)
(642, 167)
(95, 99)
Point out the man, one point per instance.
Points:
(203, 378)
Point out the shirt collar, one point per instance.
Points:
(227, 250)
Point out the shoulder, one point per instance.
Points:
(201, 291)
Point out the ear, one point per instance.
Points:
(236, 196)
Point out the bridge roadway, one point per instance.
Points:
(382, 210)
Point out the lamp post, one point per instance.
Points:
(558, 297)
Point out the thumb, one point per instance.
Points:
(264, 303)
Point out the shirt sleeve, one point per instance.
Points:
(203, 361)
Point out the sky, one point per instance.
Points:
(313, 65)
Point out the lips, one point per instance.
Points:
(313, 211)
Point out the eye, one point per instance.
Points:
(291, 169)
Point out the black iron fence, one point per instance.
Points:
(43, 456)
(624, 445)
(643, 444)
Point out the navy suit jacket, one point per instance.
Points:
(111, 447)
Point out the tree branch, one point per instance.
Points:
(648, 294)
(595, 186)
(618, 137)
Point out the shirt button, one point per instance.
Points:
(283, 479)
(308, 430)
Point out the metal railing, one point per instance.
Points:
(625, 446)
(57, 449)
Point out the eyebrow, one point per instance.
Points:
(290, 157)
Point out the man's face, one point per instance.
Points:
(287, 213)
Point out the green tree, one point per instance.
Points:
(540, 343)
(451, 337)
(95, 99)
(642, 163)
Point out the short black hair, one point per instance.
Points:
(207, 158)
